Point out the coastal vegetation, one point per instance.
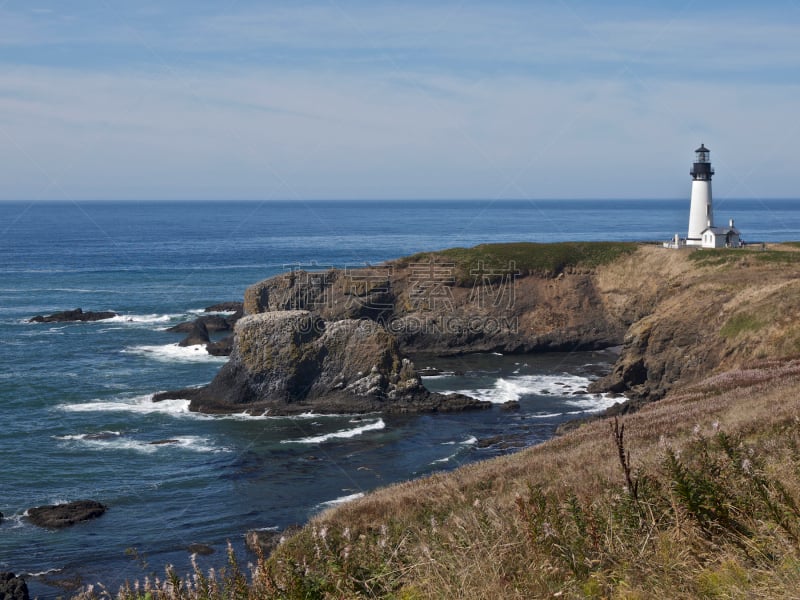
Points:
(524, 258)
(696, 495)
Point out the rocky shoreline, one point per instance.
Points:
(506, 298)
(341, 341)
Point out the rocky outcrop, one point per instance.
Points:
(289, 362)
(198, 332)
(677, 315)
(13, 587)
(68, 316)
(529, 314)
(57, 516)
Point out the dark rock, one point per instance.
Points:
(288, 362)
(68, 316)
(197, 336)
(428, 371)
(185, 327)
(510, 405)
(13, 587)
(223, 347)
(200, 549)
(162, 442)
(211, 324)
(264, 541)
(63, 515)
(1, 517)
(225, 307)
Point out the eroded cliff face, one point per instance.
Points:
(714, 311)
(678, 315)
(293, 361)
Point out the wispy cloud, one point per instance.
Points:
(355, 99)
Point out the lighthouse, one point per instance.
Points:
(701, 213)
(702, 232)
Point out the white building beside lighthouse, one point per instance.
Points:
(702, 232)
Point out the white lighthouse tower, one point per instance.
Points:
(701, 213)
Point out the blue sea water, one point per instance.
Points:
(78, 421)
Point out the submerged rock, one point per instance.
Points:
(198, 332)
(288, 362)
(56, 516)
(68, 316)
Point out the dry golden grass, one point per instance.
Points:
(559, 520)
(698, 495)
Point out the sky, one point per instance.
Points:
(353, 99)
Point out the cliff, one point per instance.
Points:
(678, 315)
(292, 361)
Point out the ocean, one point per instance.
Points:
(79, 423)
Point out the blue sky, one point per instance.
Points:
(353, 99)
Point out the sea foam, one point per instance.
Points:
(342, 500)
(341, 434)
(192, 443)
(139, 404)
(150, 319)
(175, 353)
(570, 387)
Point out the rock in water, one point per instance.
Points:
(56, 516)
(68, 316)
(13, 587)
(288, 362)
(197, 336)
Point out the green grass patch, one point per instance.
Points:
(523, 258)
(726, 256)
(741, 323)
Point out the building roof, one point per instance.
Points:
(702, 148)
(720, 230)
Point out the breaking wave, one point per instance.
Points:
(341, 434)
(175, 353)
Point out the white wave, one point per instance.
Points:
(594, 403)
(143, 319)
(445, 459)
(15, 521)
(40, 573)
(100, 435)
(470, 441)
(514, 387)
(192, 443)
(341, 434)
(202, 312)
(343, 499)
(139, 404)
(175, 353)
